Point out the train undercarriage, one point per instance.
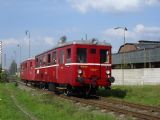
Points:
(66, 89)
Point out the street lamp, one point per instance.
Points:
(28, 34)
(1, 53)
(122, 67)
(124, 29)
(15, 67)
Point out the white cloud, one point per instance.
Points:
(139, 32)
(152, 2)
(9, 41)
(140, 28)
(49, 41)
(111, 6)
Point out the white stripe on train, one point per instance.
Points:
(71, 64)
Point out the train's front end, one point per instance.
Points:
(93, 66)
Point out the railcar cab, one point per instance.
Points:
(93, 64)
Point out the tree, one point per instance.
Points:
(13, 68)
(0, 72)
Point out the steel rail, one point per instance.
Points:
(109, 107)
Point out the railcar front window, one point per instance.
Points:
(81, 55)
(103, 56)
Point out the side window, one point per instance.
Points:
(103, 56)
(30, 64)
(37, 64)
(40, 61)
(62, 57)
(49, 58)
(44, 59)
(54, 57)
(26, 65)
(81, 55)
(69, 55)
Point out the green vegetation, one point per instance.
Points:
(13, 68)
(24, 104)
(147, 94)
(7, 109)
(17, 103)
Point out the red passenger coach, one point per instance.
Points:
(28, 70)
(77, 67)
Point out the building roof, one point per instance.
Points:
(142, 44)
(141, 52)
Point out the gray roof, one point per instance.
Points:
(86, 42)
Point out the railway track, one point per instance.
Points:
(116, 108)
(142, 112)
(133, 105)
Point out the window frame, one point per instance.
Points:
(54, 57)
(61, 60)
(68, 55)
(81, 55)
(102, 60)
(49, 58)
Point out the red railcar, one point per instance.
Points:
(28, 70)
(80, 66)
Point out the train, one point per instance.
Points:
(74, 67)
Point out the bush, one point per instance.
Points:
(3, 76)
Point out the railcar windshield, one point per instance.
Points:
(103, 56)
(81, 55)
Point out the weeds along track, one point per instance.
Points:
(131, 105)
(138, 113)
(142, 112)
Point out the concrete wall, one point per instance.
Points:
(145, 76)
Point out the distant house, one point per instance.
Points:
(144, 54)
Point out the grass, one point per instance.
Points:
(41, 106)
(148, 94)
(7, 109)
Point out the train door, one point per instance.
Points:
(68, 67)
(94, 68)
(61, 68)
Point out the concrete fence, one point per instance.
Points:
(145, 76)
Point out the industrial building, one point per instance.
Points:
(144, 54)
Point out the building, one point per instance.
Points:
(144, 54)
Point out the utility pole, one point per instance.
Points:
(124, 42)
(28, 34)
(1, 53)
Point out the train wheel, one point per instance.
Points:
(68, 91)
(52, 87)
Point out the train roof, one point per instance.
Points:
(79, 42)
(29, 59)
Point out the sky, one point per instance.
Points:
(47, 20)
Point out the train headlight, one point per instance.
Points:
(108, 72)
(79, 71)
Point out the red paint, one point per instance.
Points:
(28, 70)
(62, 72)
